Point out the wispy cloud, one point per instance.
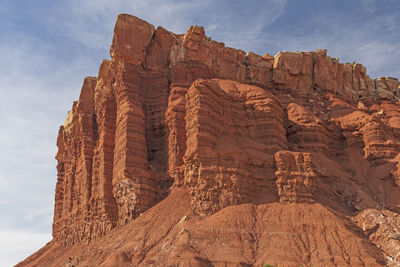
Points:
(91, 22)
(347, 29)
(14, 244)
(37, 87)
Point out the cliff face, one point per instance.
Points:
(292, 159)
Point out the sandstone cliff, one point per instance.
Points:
(184, 152)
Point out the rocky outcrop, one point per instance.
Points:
(183, 146)
(387, 88)
(383, 229)
(309, 133)
(75, 143)
(242, 235)
(295, 176)
(294, 71)
(232, 131)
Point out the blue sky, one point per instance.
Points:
(47, 47)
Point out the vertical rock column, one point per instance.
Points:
(75, 153)
(133, 195)
(175, 119)
(104, 211)
(156, 85)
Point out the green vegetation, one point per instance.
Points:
(351, 64)
(209, 38)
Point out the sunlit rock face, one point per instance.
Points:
(182, 146)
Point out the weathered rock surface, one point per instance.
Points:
(383, 229)
(184, 152)
(169, 234)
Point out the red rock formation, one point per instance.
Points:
(75, 143)
(170, 234)
(383, 229)
(294, 71)
(387, 87)
(232, 131)
(184, 152)
(295, 176)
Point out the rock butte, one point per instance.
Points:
(184, 152)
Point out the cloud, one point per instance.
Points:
(37, 87)
(91, 22)
(15, 245)
(368, 5)
(349, 32)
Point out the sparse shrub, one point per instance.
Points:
(208, 38)
(351, 64)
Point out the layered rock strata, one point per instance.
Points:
(172, 112)
(232, 131)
